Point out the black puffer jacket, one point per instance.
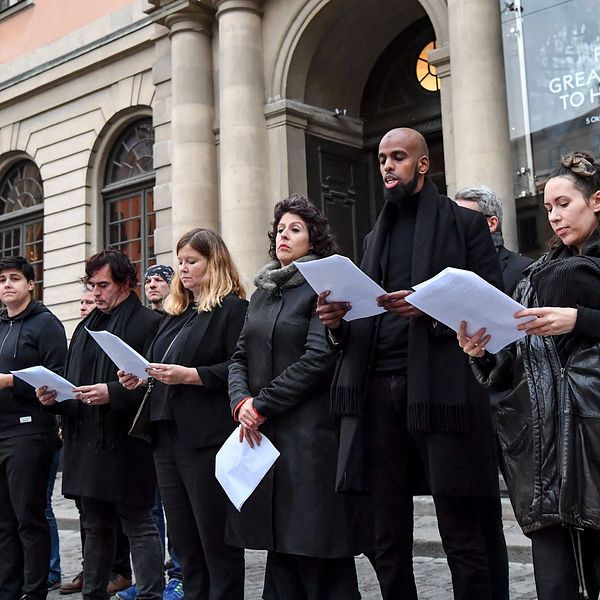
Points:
(549, 425)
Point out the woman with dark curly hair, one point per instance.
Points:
(549, 425)
(279, 382)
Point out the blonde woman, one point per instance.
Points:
(189, 411)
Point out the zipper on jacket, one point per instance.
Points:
(6, 336)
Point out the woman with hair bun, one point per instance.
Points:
(549, 425)
(279, 383)
(189, 412)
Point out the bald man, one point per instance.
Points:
(413, 418)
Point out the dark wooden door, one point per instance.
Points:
(338, 183)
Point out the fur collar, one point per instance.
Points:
(273, 277)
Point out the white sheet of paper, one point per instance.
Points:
(123, 355)
(240, 468)
(40, 376)
(456, 295)
(346, 282)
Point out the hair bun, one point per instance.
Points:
(579, 163)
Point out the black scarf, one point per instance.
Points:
(439, 242)
(101, 369)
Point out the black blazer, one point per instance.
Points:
(201, 412)
(512, 266)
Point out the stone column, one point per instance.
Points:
(194, 196)
(481, 132)
(440, 59)
(244, 171)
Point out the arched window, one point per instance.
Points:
(22, 217)
(128, 195)
(426, 73)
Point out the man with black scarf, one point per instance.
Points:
(112, 472)
(409, 405)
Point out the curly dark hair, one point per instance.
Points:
(319, 233)
(121, 269)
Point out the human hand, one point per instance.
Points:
(169, 374)
(551, 320)
(129, 381)
(396, 302)
(331, 313)
(93, 395)
(253, 436)
(248, 416)
(45, 396)
(475, 345)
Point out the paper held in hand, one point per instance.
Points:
(346, 282)
(123, 355)
(41, 376)
(239, 468)
(456, 295)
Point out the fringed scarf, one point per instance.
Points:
(87, 364)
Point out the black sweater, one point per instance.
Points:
(33, 337)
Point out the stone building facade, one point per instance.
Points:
(128, 122)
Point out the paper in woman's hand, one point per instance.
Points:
(124, 356)
(240, 468)
(41, 376)
(456, 295)
(346, 282)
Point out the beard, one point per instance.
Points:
(401, 191)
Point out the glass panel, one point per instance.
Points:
(132, 155)
(426, 73)
(21, 188)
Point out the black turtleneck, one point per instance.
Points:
(392, 342)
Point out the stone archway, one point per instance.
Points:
(325, 61)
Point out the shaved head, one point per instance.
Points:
(411, 139)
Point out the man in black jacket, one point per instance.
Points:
(486, 201)
(112, 472)
(403, 382)
(30, 335)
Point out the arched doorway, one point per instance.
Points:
(361, 67)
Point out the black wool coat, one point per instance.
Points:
(459, 453)
(201, 412)
(100, 459)
(283, 360)
(512, 266)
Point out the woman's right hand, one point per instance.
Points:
(129, 381)
(475, 345)
(45, 396)
(253, 436)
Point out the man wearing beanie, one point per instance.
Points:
(156, 285)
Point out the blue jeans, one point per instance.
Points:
(55, 574)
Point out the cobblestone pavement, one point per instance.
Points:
(433, 577)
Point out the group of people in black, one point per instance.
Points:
(365, 414)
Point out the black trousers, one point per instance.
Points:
(195, 506)
(554, 551)
(121, 563)
(394, 463)
(294, 577)
(101, 522)
(25, 463)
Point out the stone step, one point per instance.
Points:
(427, 540)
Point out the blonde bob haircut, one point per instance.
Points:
(221, 278)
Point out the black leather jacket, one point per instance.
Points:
(548, 425)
